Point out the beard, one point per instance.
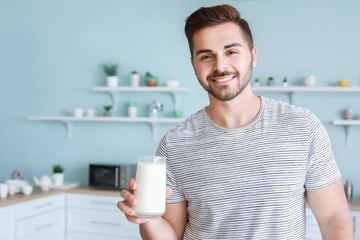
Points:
(227, 92)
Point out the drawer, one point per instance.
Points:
(84, 236)
(107, 223)
(38, 206)
(49, 225)
(91, 201)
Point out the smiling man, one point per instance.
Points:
(241, 167)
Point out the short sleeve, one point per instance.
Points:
(321, 167)
(177, 195)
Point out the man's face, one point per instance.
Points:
(222, 60)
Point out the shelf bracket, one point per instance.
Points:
(174, 96)
(113, 99)
(291, 97)
(347, 134)
(152, 126)
(68, 128)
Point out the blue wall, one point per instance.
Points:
(50, 54)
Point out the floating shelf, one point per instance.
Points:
(292, 89)
(347, 124)
(68, 119)
(113, 91)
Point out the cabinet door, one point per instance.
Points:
(7, 223)
(98, 215)
(49, 225)
(312, 227)
(84, 236)
(356, 221)
(38, 206)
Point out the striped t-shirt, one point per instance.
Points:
(248, 183)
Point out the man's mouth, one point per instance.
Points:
(223, 80)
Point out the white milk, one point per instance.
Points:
(151, 190)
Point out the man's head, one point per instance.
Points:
(211, 16)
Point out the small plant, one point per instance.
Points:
(257, 80)
(134, 72)
(58, 168)
(110, 69)
(107, 108)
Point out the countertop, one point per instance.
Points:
(37, 193)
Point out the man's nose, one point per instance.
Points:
(220, 64)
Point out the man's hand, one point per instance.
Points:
(126, 206)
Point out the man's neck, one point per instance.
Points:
(236, 113)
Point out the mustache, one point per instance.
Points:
(217, 73)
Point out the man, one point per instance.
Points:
(240, 168)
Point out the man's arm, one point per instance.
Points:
(172, 223)
(170, 226)
(332, 212)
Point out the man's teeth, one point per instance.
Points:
(224, 79)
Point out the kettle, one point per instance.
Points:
(156, 108)
(44, 182)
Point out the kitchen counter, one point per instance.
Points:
(37, 193)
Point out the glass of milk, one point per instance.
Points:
(151, 186)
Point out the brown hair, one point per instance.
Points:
(211, 16)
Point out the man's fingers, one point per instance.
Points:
(125, 208)
(128, 196)
(132, 184)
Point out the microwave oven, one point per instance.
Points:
(111, 176)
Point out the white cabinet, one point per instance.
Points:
(7, 223)
(40, 219)
(356, 220)
(97, 217)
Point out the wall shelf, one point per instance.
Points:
(292, 89)
(347, 124)
(67, 120)
(113, 91)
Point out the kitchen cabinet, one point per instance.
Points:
(92, 216)
(7, 223)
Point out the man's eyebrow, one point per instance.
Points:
(232, 45)
(203, 51)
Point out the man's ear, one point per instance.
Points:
(254, 56)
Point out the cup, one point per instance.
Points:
(12, 189)
(348, 113)
(310, 81)
(151, 186)
(132, 111)
(90, 112)
(3, 190)
(77, 112)
(27, 190)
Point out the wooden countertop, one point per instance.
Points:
(37, 193)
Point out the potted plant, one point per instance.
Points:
(271, 81)
(134, 79)
(285, 82)
(132, 109)
(257, 82)
(58, 175)
(150, 80)
(110, 70)
(107, 110)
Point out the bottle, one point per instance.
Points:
(348, 190)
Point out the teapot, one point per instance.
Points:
(44, 182)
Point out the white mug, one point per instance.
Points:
(90, 112)
(76, 112)
(3, 190)
(132, 111)
(310, 81)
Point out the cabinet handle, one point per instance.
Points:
(44, 226)
(102, 203)
(44, 205)
(105, 223)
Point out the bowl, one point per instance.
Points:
(172, 83)
(17, 183)
(344, 83)
(151, 82)
(27, 190)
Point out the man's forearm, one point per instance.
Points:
(158, 229)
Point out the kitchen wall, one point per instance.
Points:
(51, 51)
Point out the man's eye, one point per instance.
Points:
(206, 57)
(231, 52)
